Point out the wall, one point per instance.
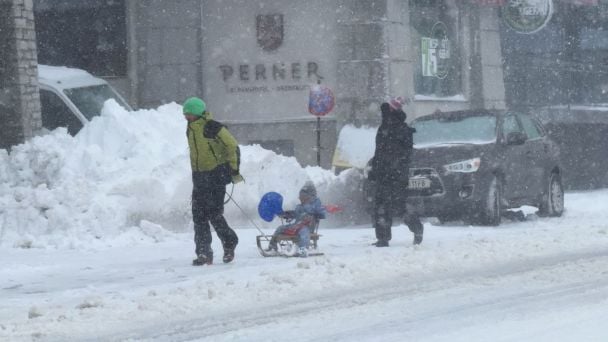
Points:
(243, 81)
(377, 56)
(253, 62)
(165, 50)
(259, 60)
(19, 98)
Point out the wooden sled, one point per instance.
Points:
(287, 245)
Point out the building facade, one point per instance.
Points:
(254, 62)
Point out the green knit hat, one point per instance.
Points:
(194, 106)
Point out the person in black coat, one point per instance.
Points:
(390, 172)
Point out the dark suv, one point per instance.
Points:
(475, 164)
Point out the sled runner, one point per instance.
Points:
(287, 244)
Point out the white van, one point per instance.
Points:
(71, 97)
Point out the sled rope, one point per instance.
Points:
(244, 213)
(229, 195)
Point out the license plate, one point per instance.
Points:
(419, 183)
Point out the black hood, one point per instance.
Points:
(391, 117)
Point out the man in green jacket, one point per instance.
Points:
(215, 159)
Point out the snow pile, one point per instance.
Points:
(126, 178)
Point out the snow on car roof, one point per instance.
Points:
(64, 77)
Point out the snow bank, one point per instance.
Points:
(126, 172)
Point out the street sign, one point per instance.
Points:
(321, 100)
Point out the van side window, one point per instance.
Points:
(55, 113)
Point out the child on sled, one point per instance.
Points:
(301, 220)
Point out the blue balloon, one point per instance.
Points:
(270, 205)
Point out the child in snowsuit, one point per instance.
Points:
(304, 217)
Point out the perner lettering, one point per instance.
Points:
(259, 72)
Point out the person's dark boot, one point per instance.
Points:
(205, 258)
(417, 238)
(381, 243)
(228, 254)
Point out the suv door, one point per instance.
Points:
(537, 156)
(513, 160)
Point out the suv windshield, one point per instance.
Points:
(467, 130)
(90, 100)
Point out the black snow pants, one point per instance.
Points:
(208, 207)
(389, 201)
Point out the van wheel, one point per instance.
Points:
(553, 200)
(491, 206)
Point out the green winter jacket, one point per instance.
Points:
(211, 145)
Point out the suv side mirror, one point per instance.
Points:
(516, 138)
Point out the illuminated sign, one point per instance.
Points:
(527, 16)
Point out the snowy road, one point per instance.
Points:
(540, 280)
(481, 305)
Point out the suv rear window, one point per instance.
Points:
(460, 130)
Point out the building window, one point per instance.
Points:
(85, 34)
(436, 47)
(564, 62)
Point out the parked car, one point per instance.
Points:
(475, 164)
(71, 97)
(581, 133)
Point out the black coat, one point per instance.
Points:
(394, 144)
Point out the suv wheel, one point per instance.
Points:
(447, 218)
(553, 200)
(491, 206)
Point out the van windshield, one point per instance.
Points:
(90, 100)
(467, 130)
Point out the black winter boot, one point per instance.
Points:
(380, 243)
(228, 255)
(205, 258)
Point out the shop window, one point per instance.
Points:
(436, 46)
(85, 34)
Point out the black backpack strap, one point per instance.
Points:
(212, 128)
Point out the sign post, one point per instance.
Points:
(321, 101)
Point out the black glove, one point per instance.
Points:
(236, 177)
(288, 214)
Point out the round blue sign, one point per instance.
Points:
(321, 100)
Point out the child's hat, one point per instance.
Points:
(309, 189)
